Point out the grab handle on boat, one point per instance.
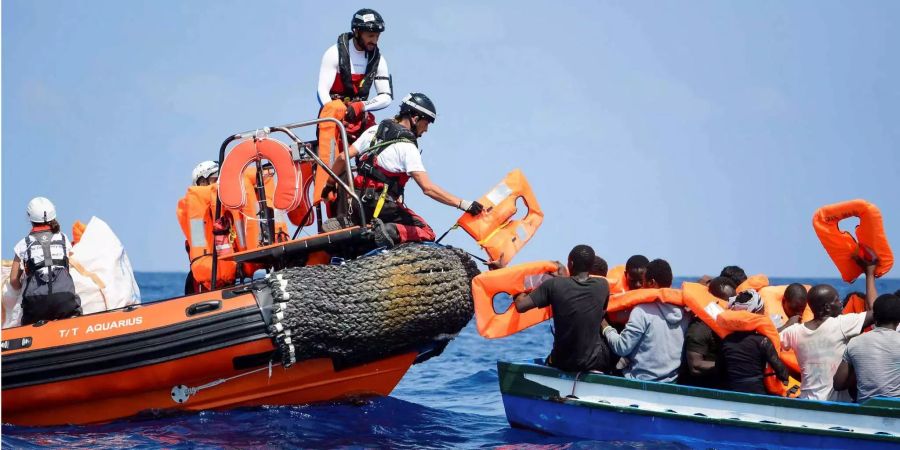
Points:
(203, 307)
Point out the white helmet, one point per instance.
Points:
(204, 170)
(41, 210)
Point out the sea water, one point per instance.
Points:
(451, 401)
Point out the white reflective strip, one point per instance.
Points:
(366, 17)
(279, 315)
(279, 327)
(285, 295)
(499, 193)
(198, 233)
(713, 309)
(288, 341)
(533, 281)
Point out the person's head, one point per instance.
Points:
(367, 26)
(635, 268)
(658, 275)
(581, 258)
(748, 300)
(42, 212)
(794, 300)
(722, 288)
(887, 310)
(824, 301)
(735, 273)
(417, 111)
(205, 173)
(599, 268)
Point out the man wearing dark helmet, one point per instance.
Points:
(351, 67)
(387, 157)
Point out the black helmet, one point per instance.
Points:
(417, 104)
(367, 20)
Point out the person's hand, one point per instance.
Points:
(355, 112)
(561, 270)
(603, 324)
(329, 192)
(472, 208)
(495, 264)
(868, 262)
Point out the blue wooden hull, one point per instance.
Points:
(562, 419)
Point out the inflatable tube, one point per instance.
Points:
(232, 191)
(514, 280)
(755, 282)
(841, 245)
(496, 232)
(715, 313)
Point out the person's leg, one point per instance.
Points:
(408, 226)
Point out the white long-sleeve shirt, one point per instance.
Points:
(329, 72)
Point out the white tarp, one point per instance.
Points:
(100, 269)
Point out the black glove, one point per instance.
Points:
(327, 192)
(475, 208)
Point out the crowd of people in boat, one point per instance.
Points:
(842, 357)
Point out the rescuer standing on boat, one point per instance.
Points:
(388, 156)
(351, 67)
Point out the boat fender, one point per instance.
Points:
(841, 245)
(494, 229)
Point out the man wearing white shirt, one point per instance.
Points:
(388, 156)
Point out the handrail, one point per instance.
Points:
(286, 129)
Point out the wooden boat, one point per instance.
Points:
(602, 407)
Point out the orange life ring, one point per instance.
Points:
(195, 215)
(715, 313)
(232, 190)
(841, 245)
(755, 282)
(496, 232)
(514, 280)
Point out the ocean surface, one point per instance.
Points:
(451, 401)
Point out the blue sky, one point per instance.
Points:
(705, 133)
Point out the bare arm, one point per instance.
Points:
(15, 274)
(871, 292)
(772, 356)
(697, 365)
(844, 377)
(434, 191)
(524, 303)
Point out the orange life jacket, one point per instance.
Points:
(715, 313)
(329, 143)
(617, 280)
(856, 304)
(772, 299)
(514, 280)
(755, 282)
(195, 215)
(629, 299)
(305, 169)
(250, 225)
(496, 232)
(841, 246)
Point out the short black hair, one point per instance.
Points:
(735, 273)
(819, 297)
(795, 292)
(636, 262)
(886, 309)
(581, 258)
(599, 267)
(722, 288)
(659, 271)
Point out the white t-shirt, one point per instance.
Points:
(819, 353)
(358, 61)
(401, 157)
(38, 253)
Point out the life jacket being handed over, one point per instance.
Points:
(755, 282)
(723, 321)
(195, 215)
(841, 246)
(514, 280)
(369, 173)
(494, 229)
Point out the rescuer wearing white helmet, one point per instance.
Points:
(41, 265)
(205, 173)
